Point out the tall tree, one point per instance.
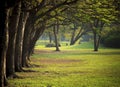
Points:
(98, 13)
(73, 18)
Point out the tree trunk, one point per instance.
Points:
(4, 15)
(77, 35)
(50, 37)
(10, 66)
(56, 39)
(25, 49)
(98, 42)
(97, 35)
(95, 42)
(26, 42)
(35, 36)
(19, 41)
(72, 38)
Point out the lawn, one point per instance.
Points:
(73, 66)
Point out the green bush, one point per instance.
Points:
(112, 39)
(50, 45)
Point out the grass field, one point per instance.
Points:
(73, 66)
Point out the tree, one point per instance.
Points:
(72, 17)
(36, 15)
(78, 32)
(98, 13)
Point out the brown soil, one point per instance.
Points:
(53, 61)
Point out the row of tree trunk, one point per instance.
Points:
(17, 39)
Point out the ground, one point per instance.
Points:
(71, 67)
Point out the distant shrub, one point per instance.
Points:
(51, 45)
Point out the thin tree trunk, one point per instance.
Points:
(97, 37)
(50, 37)
(95, 42)
(35, 36)
(72, 38)
(10, 66)
(76, 36)
(98, 42)
(56, 39)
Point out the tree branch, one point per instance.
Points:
(55, 7)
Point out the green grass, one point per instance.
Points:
(83, 45)
(71, 67)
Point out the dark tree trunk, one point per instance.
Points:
(97, 35)
(72, 38)
(77, 35)
(98, 42)
(4, 15)
(25, 48)
(35, 36)
(95, 42)
(27, 39)
(56, 38)
(50, 37)
(10, 66)
(75, 40)
(26, 42)
(19, 41)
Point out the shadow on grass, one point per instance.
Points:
(97, 53)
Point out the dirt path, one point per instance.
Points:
(54, 60)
